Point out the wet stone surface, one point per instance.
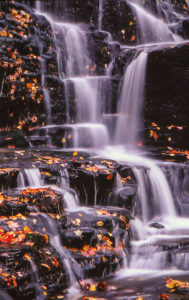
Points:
(97, 238)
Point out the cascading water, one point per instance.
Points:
(29, 177)
(156, 202)
(100, 14)
(154, 194)
(74, 67)
(151, 28)
(131, 100)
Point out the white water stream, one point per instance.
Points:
(131, 101)
(151, 28)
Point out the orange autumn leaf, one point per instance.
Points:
(11, 146)
(46, 266)
(164, 297)
(109, 177)
(26, 229)
(3, 33)
(34, 80)
(14, 12)
(29, 85)
(55, 262)
(27, 256)
(154, 135)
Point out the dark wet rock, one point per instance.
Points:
(86, 236)
(182, 28)
(102, 50)
(44, 199)
(171, 86)
(157, 225)
(126, 196)
(25, 39)
(82, 11)
(120, 21)
(25, 249)
(122, 60)
(8, 178)
(93, 183)
(127, 175)
(13, 139)
(91, 239)
(10, 206)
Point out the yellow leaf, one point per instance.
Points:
(78, 232)
(100, 223)
(27, 256)
(92, 288)
(76, 222)
(46, 266)
(26, 229)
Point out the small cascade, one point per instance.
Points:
(38, 290)
(38, 5)
(165, 10)
(71, 199)
(100, 14)
(29, 177)
(67, 260)
(130, 104)
(86, 93)
(90, 135)
(155, 194)
(64, 179)
(72, 39)
(151, 28)
(91, 92)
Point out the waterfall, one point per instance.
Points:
(70, 42)
(151, 28)
(100, 14)
(154, 192)
(29, 177)
(86, 93)
(74, 65)
(131, 100)
(156, 203)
